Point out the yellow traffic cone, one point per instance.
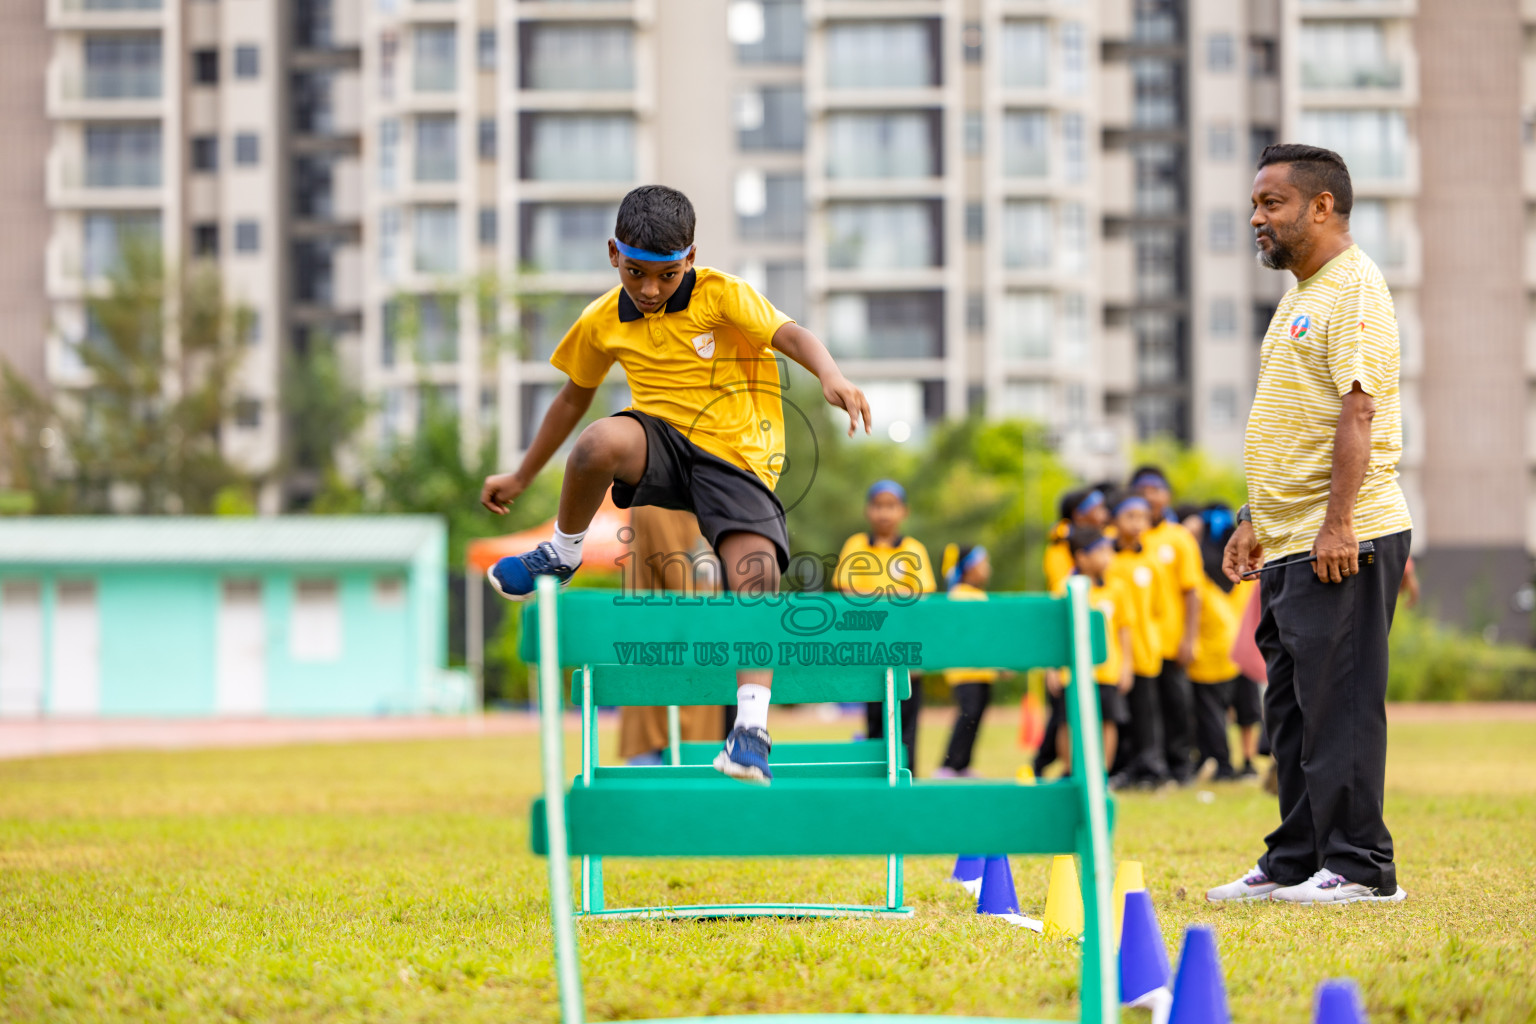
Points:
(1025, 775)
(1064, 900)
(1127, 879)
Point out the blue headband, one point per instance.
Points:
(880, 487)
(1098, 544)
(651, 257)
(1150, 478)
(1131, 502)
(1092, 500)
(975, 555)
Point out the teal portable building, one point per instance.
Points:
(210, 616)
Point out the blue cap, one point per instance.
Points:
(880, 487)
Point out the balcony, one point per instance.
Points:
(1388, 83)
(1358, 9)
(105, 14)
(100, 96)
(135, 185)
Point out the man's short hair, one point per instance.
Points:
(1314, 170)
(655, 218)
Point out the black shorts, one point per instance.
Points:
(722, 497)
(1247, 701)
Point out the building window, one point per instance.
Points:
(485, 49)
(436, 232)
(1223, 231)
(1033, 400)
(1260, 139)
(1374, 143)
(122, 155)
(904, 144)
(1221, 141)
(770, 207)
(1026, 54)
(205, 67)
(975, 133)
(772, 117)
(566, 237)
(1220, 51)
(314, 112)
(247, 62)
(205, 153)
(971, 41)
(108, 234)
(578, 147)
(1158, 89)
(1347, 55)
(122, 67)
(1074, 147)
(425, 328)
(1224, 406)
(1159, 262)
(1157, 21)
(1074, 58)
(883, 235)
(389, 151)
(1223, 317)
(485, 138)
(205, 240)
(434, 54)
(314, 622)
(577, 56)
(975, 312)
(1073, 219)
(437, 148)
(1026, 144)
(247, 413)
(1263, 58)
(768, 31)
(1074, 329)
(886, 325)
(882, 54)
(488, 225)
(247, 236)
(975, 222)
(1159, 349)
(785, 286)
(1159, 169)
(247, 149)
(1028, 234)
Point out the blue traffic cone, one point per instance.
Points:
(997, 895)
(1144, 973)
(968, 871)
(1338, 1002)
(1199, 994)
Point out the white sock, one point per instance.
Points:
(752, 706)
(568, 546)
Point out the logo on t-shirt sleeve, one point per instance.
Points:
(704, 345)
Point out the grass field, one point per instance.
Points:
(392, 882)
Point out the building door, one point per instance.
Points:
(242, 655)
(21, 648)
(76, 688)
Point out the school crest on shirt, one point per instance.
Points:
(1300, 326)
(704, 345)
(1166, 554)
(1142, 576)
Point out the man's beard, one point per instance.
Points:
(1279, 255)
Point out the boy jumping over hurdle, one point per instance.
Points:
(705, 431)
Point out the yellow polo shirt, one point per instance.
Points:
(1140, 573)
(1113, 598)
(899, 570)
(1221, 613)
(1329, 331)
(703, 363)
(1175, 549)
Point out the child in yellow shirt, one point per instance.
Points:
(1143, 575)
(966, 571)
(882, 560)
(1092, 554)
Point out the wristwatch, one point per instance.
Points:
(1244, 515)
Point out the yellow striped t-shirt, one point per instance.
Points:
(1336, 327)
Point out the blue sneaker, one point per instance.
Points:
(745, 756)
(514, 576)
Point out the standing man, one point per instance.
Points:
(1323, 443)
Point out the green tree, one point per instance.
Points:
(144, 437)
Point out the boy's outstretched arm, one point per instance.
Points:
(806, 349)
(569, 406)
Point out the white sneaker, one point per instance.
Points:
(1331, 887)
(1255, 885)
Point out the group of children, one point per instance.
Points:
(1171, 680)
(705, 434)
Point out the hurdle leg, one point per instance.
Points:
(567, 967)
(591, 867)
(674, 736)
(893, 862)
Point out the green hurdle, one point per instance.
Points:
(818, 806)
